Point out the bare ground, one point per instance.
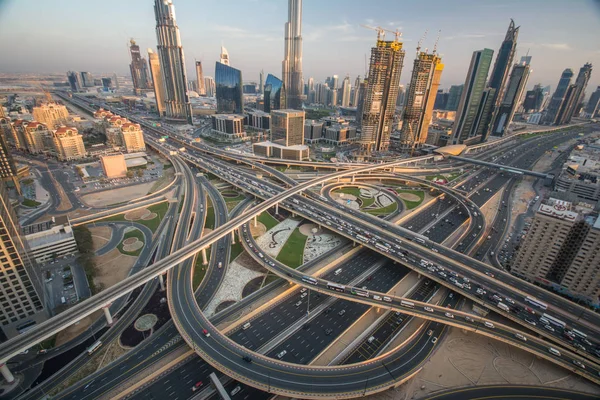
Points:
(72, 331)
(116, 195)
(112, 267)
(100, 236)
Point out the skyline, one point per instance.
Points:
(205, 27)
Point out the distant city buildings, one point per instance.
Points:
(558, 98)
(200, 79)
(74, 80)
(562, 249)
(511, 100)
(172, 62)
(8, 168)
(534, 99)
(454, 95)
(229, 93)
(292, 60)
(346, 91)
(224, 57)
(21, 293)
(87, 80)
(138, 69)
(381, 92)
(593, 106)
(211, 88)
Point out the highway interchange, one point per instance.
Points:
(261, 191)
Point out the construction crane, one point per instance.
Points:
(381, 32)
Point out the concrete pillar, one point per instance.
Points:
(161, 280)
(204, 259)
(109, 318)
(233, 237)
(255, 221)
(277, 208)
(8, 376)
(353, 178)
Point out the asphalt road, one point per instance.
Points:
(510, 392)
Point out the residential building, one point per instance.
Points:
(292, 60)
(114, 165)
(287, 127)
(556, 102)
(441, 100)
(580, 175)
(138, 69)
(21, 293)
(157, 83)
(8, 168)
(112, 127)
(107, 84)
(381, 94)
(52, 114)
(200, 79)
(68, 144)
(37, 136)
(420, 99)
(10, 133)
(454, 95)
(593, 105)
(274, 94)
(512, 99)
(50, 239)
(230, 98)
(133, 137)
(473, 99)
(172, 62)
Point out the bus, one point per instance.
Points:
(536, 303)
(362, 238)
(381, 247)
(503, 306)
(554, 321)
(309, 279)
(407, 304)
(358, 292)
(336, 286)
(578, 333)
(94, 347)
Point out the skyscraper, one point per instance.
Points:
(558, 97)
(20, 288)
(228, 81)
(454, 95)
(287, 127)
(512, 98)
(200, 79)
(172, 62)
(87, 80)
(211, 88)
(473, 98)
(504, 60)
(274, 94)
(8, 168)
(581, 82)
(360, 106)
(138, 69)
(593, 105)
(261, 81)
(534, 99)
(74, 81)
(346, 91)
(381, 93)
(418, 105)
(157, 82)
(224, 56)
(292, 60)
(355, 91)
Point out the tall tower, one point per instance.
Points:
(157, 82)
(418, 105)
(224, 56)
(20, 288)
(473, 99)
(261, 81)
(138, 68)
(381, 93)
(502, 65)
(292, 60)
(172, 62)
(8, 168)
(346, 91)
(512, 98)
(200, 79)
(581, 82)
(558, 97)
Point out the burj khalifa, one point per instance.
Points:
(292, 61)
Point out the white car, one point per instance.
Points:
(281, 354)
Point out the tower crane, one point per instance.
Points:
(381, 32)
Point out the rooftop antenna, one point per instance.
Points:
(436, 42)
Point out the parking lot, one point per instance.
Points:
(65, 282)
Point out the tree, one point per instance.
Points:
(140, 173)
(130, 174)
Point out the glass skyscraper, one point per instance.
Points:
(228, 81)
(274, 94)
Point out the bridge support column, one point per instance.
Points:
(8, 376)
(255, 221)
(277, 208)
(109, 318)
(353, 178)
(204, 259)
(233, 237)
(161, 280)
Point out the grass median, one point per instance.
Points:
(292, 252)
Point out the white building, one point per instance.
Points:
(51, 239)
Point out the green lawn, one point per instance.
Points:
(181, 204)
(160, 209)
(412, 204)
(30, 203)
(267, 220)
(199, 269)
(136, 233)
(292, 252)
(384, 210)
(237, 199)
(236, 249)
(210, 218)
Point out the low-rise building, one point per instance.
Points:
(114, 166)
(274, 150)
(229, 127)
(339, 134)
(258, 120)
(580, 175)
(313, 131)
(68, 144)
(50, 240)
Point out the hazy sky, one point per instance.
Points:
(84, 35)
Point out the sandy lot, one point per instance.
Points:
(117, 195)
(112, 267)
(257, 230)
(76, 329)
(409, 196)
(134, 215)
(100, 235)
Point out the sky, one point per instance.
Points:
(83, 35)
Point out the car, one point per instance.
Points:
(548, 328)
(303, 295)
(303, 290)
(469, 319)
(342, 312)
(205, 333)
(430, 332)
(579, 364)
(236, 390)
(434, 340)
(42, 351)
(428, 309)
(449, 315)
(371, 339)
(489, 324)
(298, 304)
(247, 359)
(197, 386)
(328, 331)
(509, 300)
(552, 350)
(281, 354)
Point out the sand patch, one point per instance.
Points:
(150, 216)
(137, 214)
(409, 197)
(130, 241)
(100, 236)
(74, 330)
(257, 230)
(135, 245)
(112, 268)
(117, 195)
(307, 229)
